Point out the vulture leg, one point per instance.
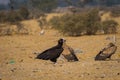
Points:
(53, 60)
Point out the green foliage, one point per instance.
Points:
(78, 24)
(72, 25)
(3, 16)
(24, 13)
(92, 21)
(86, 23)
(54, 22)
(13, 16)
(109, 26)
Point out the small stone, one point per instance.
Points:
(82, 75)
(118, 73)
(88, 74)
(97, 68)
(103, 76)
(21, 60)
(118, 61)
(60, 65)
(78, 51)
(30, 57)
(13, 69)
(6, 62)
(34, 71)
(42, 32)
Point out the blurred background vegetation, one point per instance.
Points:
(81, 17)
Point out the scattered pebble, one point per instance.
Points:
(21, 60)
(82, 75)
(35, 52)
(42, 32)
(61, 65)
(34, 71)
(30, 57)
(13, 69)
(6, 62)
(97, 68)
(78, 51)
(103, 76)
(118, 61)
(118, 73)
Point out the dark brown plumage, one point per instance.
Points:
(106, 52)
(52, 53)
(70, 56)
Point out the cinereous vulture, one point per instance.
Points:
(52, 53)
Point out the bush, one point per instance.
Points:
(109, 26)
(3, 16)
(77, 24)
(54, 22)
(13, 16)
(24, 13)
(73, 25)
(69, 24)
(13, 29)
(86, 23)
(92, 22)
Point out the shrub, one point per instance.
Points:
(73, 25)
(78, 24)
(109, 26)
(24, 13)
(69, 24)
(3, 16)
(92, 21)
(54, 22)
(13, 16)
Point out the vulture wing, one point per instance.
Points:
(106, 53)
(70, 56)
(50, 54)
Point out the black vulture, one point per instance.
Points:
(70, 56)
(107, 52)
(52, 53)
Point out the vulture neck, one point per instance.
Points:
(59, 44)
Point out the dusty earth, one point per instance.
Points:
(17, 58)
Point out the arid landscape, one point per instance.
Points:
(17, 58)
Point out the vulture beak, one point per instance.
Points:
(64, 40)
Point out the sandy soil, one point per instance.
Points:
(17, 59)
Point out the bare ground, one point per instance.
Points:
(17, 59)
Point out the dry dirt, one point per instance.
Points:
(17, 59)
